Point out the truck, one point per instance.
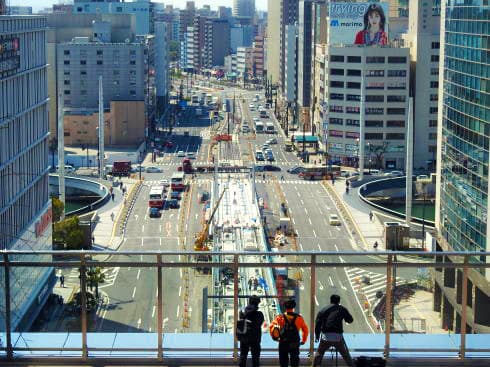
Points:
(121, 168)
(187, 166)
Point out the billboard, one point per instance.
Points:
(358, 23)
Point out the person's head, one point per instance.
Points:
(254, 300)
(374, 17)
(335, 299)
(290, 304)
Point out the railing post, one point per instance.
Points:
(83, 299)
(464, 301)
(312, 305)
(388, 309)
(160, 308)
(8, 330)
(235, 306)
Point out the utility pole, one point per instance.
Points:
(361, 132)
(287, 119)
(101, 130)
(61, 152)
(304, 136)
(409, 164)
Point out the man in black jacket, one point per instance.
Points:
(328, 329)
(252, 341)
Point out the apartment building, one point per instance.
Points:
(216, 42)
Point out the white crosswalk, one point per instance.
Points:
(210, 180)
(110, 276)
(377, 282)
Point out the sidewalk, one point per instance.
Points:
(105, 232)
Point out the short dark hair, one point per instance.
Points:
(375, 8)
(254, 300)
(290, 303)
(335, 299)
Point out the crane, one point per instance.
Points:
(200, 243)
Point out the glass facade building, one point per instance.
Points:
(465, 125)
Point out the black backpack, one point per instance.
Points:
(289, 333)
(245, 330)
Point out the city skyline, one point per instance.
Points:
(40, 4)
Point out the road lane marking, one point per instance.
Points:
(302, 202)
(138, 275)
(143, 228)
(297, 233)
(160, 241)
(153, 311)
(342, 286)
(330, 281)
(146, 217)
(309, 220)
(180, 290)
(306, 211)
(301, 246)
(136, 216)
(142, 241)
(316, 301)
(336, 248)
(314, 233)
(319, 247)
(180, 270)
(293, 220)
(178, 310)
(134, 292)
(160, 228)
(341, 259)
(320, 285)
(197, 215)
(139, 323)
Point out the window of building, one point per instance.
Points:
(66, 62)
(336, 58)
(100, 62)
(396, 85)
(66, 52)
(336, 121)
(336, 109)
(67, 92)
(353, 97)
(83, 62)
(336, 84)
(374, 123)
(432, 136)
(397, 60)
(373, 136)
(375, 73)
(395, 111)
(66, 82)
(432, 123)
(395, 136)
(433, 110)
(353, 85)
(66, 73)
(99, 53)
(336, 71)
(374, 111)
(83, 92)
(351, 122)
(375, 85)
(434, 71)
(395, 123)
(375, 60)
(336, 133)
(434, 58)
(119, 9)
(85, 122)
(83, 72)
(434, 97)
(132, 93)
(67, 133)
(397, 73)
(353, 72)
(351, 135)
(436, 45)
(350, 109)
(375, 98)
(354, 59)
(115, 72)
(132, 62)
(337, 96)
(434, 84)
(432, 148)
(396, 98)
(132, 52)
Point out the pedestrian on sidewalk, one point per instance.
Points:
(62, 281)
(112, 196)
(282, 177)
(371, 216)
(112, 216)
(347, 190)
(375, 245)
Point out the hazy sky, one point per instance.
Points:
(37, 4)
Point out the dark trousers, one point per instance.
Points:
(288, 356)
(339, 345)
(254, 348)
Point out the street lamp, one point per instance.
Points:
(357, 153)
(369, 149)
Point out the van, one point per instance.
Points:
(245, 129)
(68, 168)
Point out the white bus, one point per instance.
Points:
(157, 197)
(177, 181)
(259, 127)
(269, 128)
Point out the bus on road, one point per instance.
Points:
(157, 197)
(177, 181)
(259, 127)
(319, 172)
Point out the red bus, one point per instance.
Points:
(157, 197)
(318, 172)
(177, 181)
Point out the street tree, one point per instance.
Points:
(58, 209)
(379, 152)
(95, 276)
(68, 233)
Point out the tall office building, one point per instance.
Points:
(216, 42)
(272, 56)
(25, 206)
(288, 15)
(243, 8)
(463, 161)
(305, 52)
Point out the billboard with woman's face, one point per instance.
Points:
(358, 23)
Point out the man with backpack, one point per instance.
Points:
(329, 330)
(285, 329)
(249, 331)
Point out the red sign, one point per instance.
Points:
(44, 222)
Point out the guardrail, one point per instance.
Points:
(128, 205)
(12, 261)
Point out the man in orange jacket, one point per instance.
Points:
(285, 328)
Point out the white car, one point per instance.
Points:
(191, 155)
(334, 220)
(272, 141)
(256, 119)
(164, 182)
(153, 169)
(180, 153)
(251, 106)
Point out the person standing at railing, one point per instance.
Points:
(329, 330)
(249, 331)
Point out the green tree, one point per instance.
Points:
(95, 276)
(58, 209)
(379, 152)
(68, 233)
(173, 50)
